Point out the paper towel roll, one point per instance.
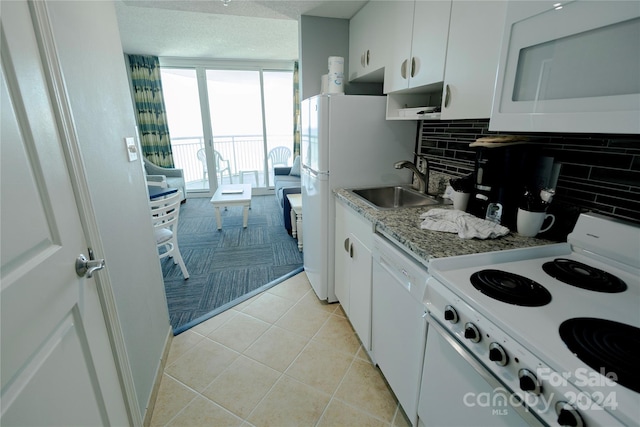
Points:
(324, 85)
(334, 83)
(336, 64)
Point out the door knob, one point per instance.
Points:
(86, 267)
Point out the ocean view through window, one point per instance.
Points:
(223, 122)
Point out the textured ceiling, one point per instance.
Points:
(207, 29)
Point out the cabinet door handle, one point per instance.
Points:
(447, 96)
(350, 251)
(413, 66)
(368, 57)
(346, 244)
(403, 69)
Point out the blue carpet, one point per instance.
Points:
(228, 266)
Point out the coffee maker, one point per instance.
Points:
(501, 175)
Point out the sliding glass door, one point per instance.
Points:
(225, 124)
(278, 100)
(236, 114)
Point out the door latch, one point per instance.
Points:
(85, 267)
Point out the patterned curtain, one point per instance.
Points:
(296, 111)
(149, 105)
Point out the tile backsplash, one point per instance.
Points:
(599, 172)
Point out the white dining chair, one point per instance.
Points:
(164, 217)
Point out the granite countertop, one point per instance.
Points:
(403, 227)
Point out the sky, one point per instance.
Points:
(234, 102)
(236, 109)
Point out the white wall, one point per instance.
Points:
(88, 42)
(321, 38)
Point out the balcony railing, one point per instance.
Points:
(244, 153)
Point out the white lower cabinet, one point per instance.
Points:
(353, 242)
(381, 289)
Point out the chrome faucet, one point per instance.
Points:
(423, 178)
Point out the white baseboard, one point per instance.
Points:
(158, 379)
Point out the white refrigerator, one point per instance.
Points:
(346, 142)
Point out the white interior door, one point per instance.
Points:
(56, 363)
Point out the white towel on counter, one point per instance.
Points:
(466, 225)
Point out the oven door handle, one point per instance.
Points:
(494, 382)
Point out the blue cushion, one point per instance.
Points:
(295, 169)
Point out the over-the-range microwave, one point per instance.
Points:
(569, 66)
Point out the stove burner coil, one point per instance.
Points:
(510, 288)
(605, 346)
(583, 276)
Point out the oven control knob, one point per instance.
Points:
(450, 314)
(568, 415)
(497, 354)
(529, 382)
(471, 332)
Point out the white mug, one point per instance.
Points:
(460, 200)
(529, 223)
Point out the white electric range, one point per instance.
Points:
(515, 318)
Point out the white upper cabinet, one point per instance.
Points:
(419, 39)
(368, 42)
(475, 35)
(400, 19)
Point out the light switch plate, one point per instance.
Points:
(132, 150)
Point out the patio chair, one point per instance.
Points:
(203, 159)
(164, 217)
(222, 165)
(279, 156)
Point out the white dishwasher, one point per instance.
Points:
(398, 321)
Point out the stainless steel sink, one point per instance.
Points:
(394, 197)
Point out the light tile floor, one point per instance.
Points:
(282, 358)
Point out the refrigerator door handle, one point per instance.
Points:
(313, 172)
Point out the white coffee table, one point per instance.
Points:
(232, 195)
